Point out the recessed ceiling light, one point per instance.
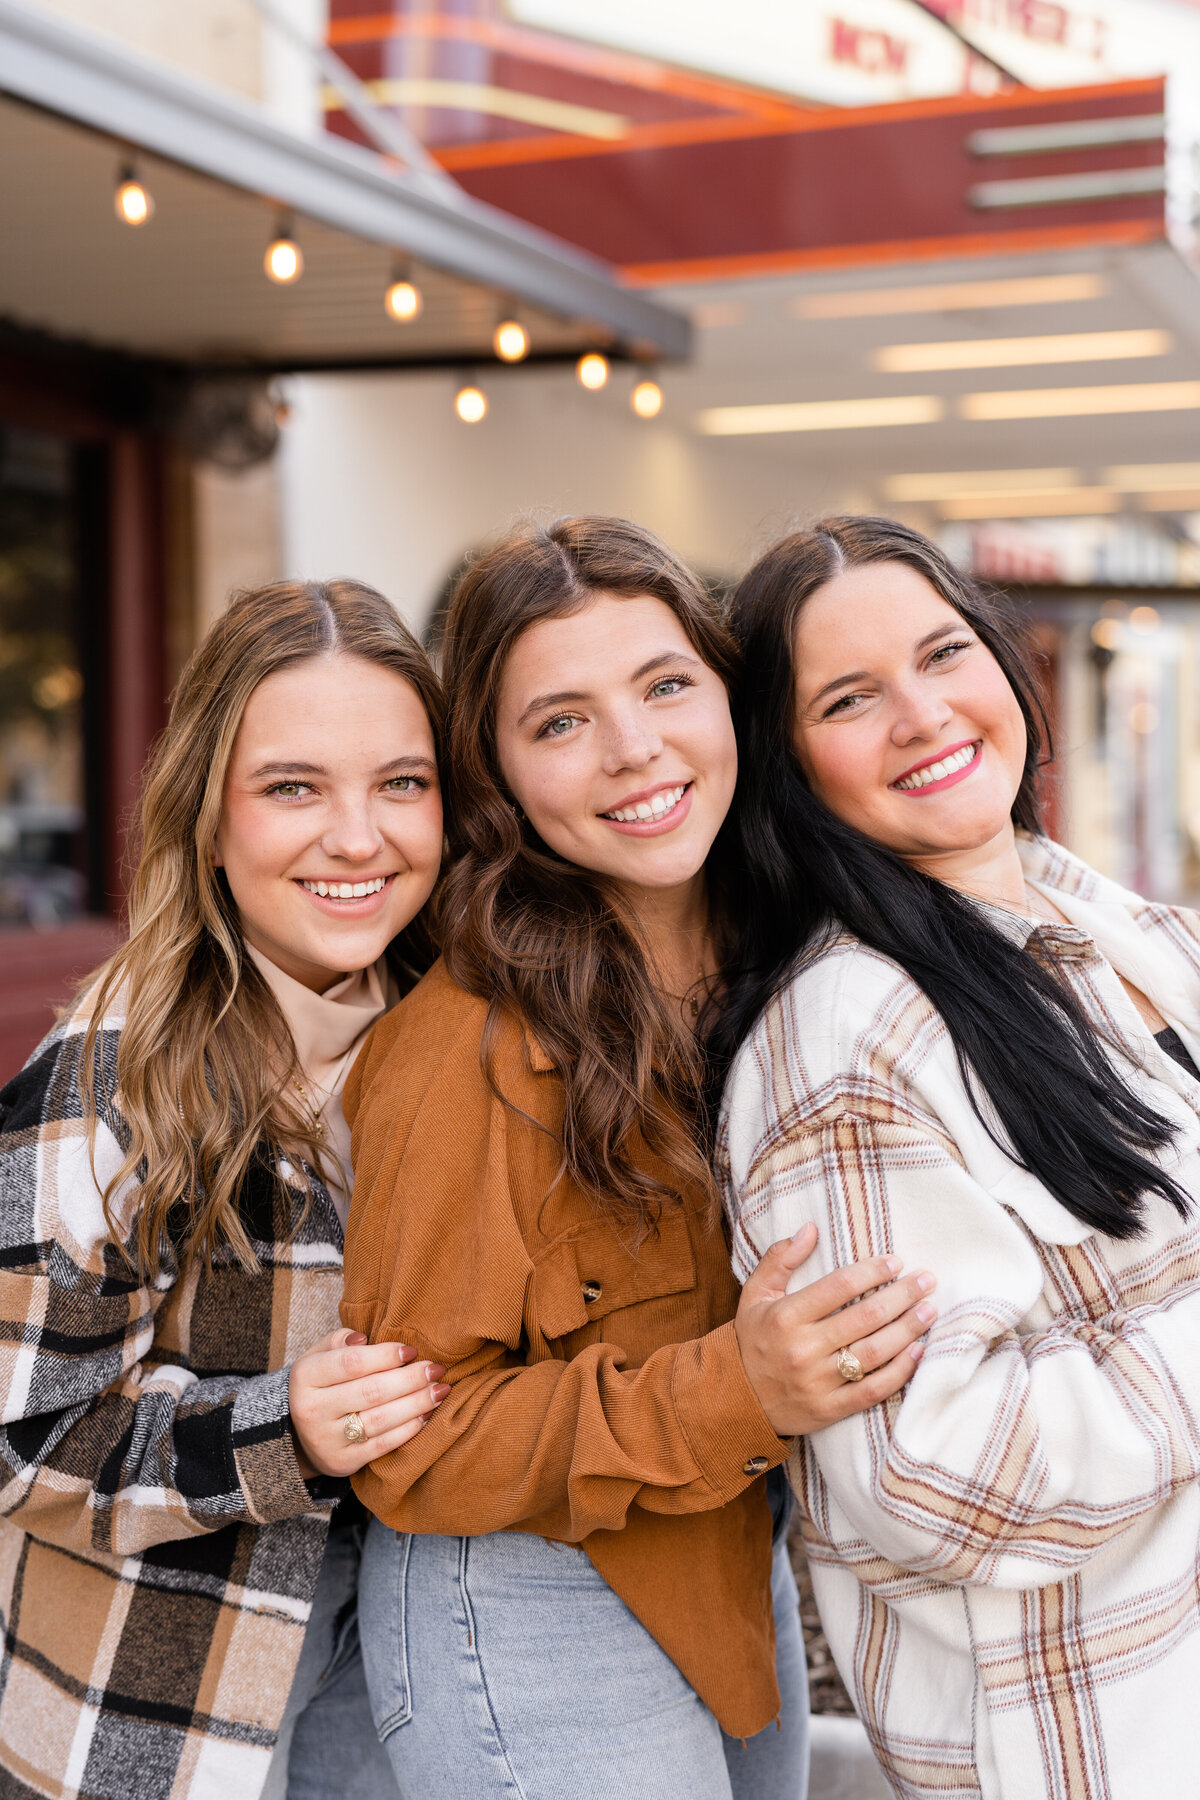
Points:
(1006, 353)
(821, 415)
(1067, 403)
(951, 296)
(944, 485)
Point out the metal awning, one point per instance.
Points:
(188, 287)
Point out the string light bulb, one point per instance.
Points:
(470, 403)
(131, 202)
(510, 341)
(592, 371)
(647, 399)
(283, 261)
(403, 300)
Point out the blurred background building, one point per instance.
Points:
(937, 258)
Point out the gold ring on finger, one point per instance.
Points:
(849, 1367)
(355, 1432)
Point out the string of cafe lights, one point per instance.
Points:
(283, 263)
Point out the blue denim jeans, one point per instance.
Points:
(327, 1748)
(504, 1667)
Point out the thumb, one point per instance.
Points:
(337, 1340)
(769, 1280)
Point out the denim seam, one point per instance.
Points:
(473, 1643)
(401, 1714)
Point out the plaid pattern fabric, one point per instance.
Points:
(1005, 1556)
(158, 1546)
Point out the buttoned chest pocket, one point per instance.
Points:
(588, 1286)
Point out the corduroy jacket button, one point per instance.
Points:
(592, 1290)
(756, 1466)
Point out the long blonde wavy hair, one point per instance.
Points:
(205, 1060)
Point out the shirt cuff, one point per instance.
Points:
(729, 1434)
(264, 1451)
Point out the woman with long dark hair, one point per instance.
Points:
(568, 1589)
(945, 1030)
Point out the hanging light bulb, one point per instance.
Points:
(510, 341)
(647, 399)
(470, 403)
(131, 202)
(403, 299)
(592, 370)
(283, 261)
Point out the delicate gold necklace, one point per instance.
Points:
(316, 1123)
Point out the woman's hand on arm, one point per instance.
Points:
(392, 1392)
(789, 1341)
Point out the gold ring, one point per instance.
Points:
(355, 1432)
(849, 1367)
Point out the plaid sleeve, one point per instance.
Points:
(1019, 1449)
(104, 1447)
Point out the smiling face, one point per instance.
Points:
(905, 723)
(616, 741)
(331, 818)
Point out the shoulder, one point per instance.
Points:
(850, 1033)
(433, 1042)
(47, 1090)
(55, 1159)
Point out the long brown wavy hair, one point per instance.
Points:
(205, 1059)
(539, 937)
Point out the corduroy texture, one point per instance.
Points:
(159, 1550)
(598, 1394)
(1005, 1554)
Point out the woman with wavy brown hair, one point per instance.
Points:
(569, 1586)
(179, 1546)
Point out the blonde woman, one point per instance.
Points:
(180, 1408)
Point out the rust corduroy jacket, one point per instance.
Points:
(598, 1394)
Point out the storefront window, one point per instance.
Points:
(42, 813)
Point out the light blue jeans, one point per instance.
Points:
(505, 1668)
(327, 1747)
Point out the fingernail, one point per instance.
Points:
(407, 1353)
(926, 1281)
(356, 1337)
(434, 1371)
(926, 1313)
(916, 1351)
(797, 1235)
(895, 1264)
(438, 1391)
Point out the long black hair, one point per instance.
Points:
(1022, 1039)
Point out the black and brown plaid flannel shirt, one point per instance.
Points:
(158, 1546)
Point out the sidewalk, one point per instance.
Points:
(843, 1767)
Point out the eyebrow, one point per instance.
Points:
(639, 674)
(863, 674)
(288, 770)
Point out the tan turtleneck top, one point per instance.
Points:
(328, 1031)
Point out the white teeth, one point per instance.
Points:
(345, 890)
(939, 770)
(649, 809)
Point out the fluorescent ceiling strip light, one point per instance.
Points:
(1056, 190)
(1074, 403)
(1063, 503)
(952, 296)
(1181, 500)
(821, 415)
(499, 102)
(1138, 478)
(1008, 353)
(1067, 134)
(947, 484)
